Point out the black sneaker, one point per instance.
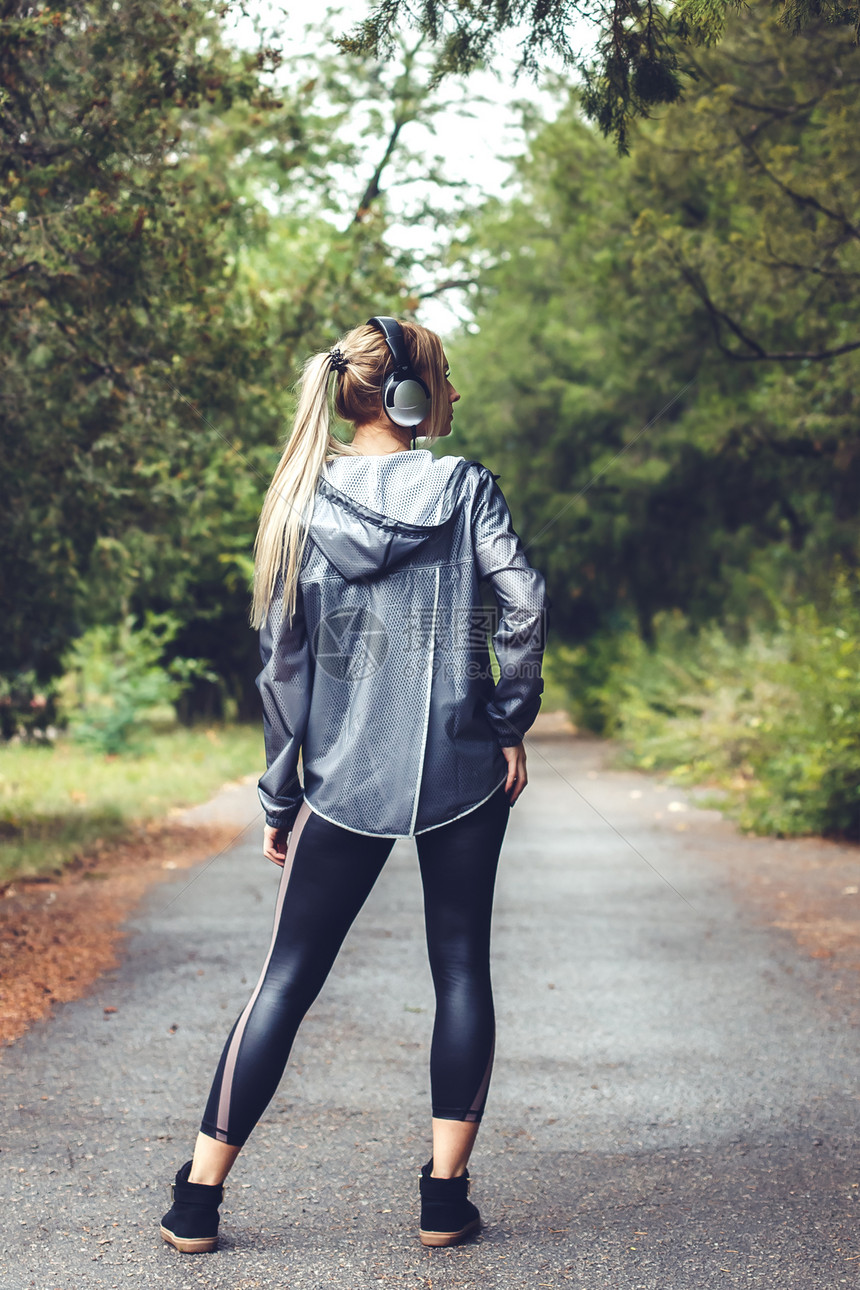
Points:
(191, 1223)
(446, 1214)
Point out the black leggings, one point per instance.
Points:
(328, 875)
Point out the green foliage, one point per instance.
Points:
(628, 56)
(585, 675)
(116, 685)
(774, 721)
(181, 224)
(624, 375)
(117, 230)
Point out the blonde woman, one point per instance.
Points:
(370, 556)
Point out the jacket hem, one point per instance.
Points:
(468, 809)
(368, 833)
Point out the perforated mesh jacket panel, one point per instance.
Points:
(383, 680)
(404, 485)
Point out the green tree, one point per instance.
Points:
(665, 352)
(117, 225)
(181, 223)
(630, 56)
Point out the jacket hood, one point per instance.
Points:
(418, 495)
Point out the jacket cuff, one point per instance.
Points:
(508, 735)
(284, 821)
(510, 732)
(279, 817)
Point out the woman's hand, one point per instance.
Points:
(517, 777)
(275, 844)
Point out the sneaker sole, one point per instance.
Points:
(190, 1245)
(448, 1238)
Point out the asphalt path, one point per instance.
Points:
(674, 1100)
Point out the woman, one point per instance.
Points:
(370, 557)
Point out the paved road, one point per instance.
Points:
(674, 1101)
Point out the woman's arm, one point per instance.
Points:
(520, 636)
(285, 688)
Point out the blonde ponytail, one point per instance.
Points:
(288, 506)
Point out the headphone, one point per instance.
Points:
(405, 397)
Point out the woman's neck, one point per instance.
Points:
(376, 438)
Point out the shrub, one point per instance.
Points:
(116, 687)
(775, 720)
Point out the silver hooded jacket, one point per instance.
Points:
(383, 678)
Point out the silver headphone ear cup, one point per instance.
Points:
(407, 403)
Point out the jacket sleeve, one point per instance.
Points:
(519, 638)
(285, 688)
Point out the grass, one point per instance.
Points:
(59, 800)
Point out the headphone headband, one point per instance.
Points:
(393, 333)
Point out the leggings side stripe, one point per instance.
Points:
(474, 1112)
(233, 1052)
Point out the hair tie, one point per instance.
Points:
(338, 360)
